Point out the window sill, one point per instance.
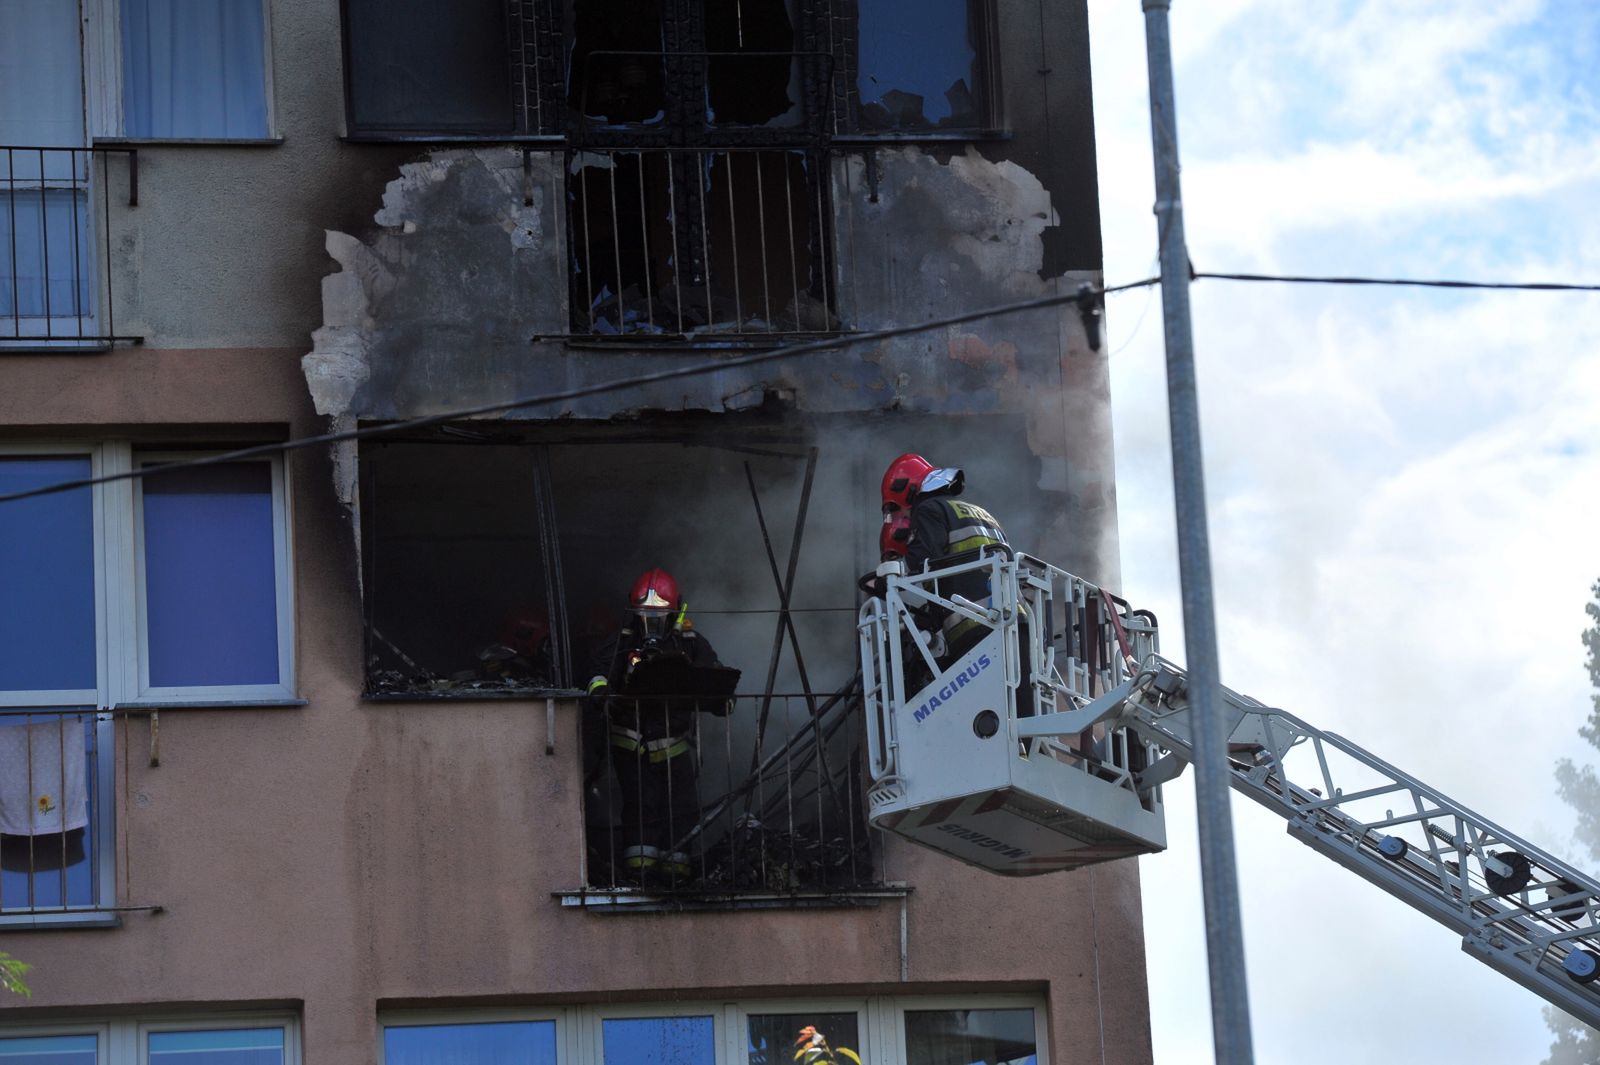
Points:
(76, 346)
(471, 695)
(956, 136)
(531, 140)
(208, 704)
(47, 922)
(188, 142)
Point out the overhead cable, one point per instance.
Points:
(1303, 279)
(696, 369)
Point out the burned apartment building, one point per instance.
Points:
(296, 761)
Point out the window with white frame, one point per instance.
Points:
(179, 70)
(172, 588)
(948, 1030)
(238, 1040)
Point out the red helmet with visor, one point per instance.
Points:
(901, 479)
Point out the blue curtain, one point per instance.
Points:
(194, 68)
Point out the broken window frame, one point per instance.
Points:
(552, 573)
(536, 66)
(687, 131)
(845, 43)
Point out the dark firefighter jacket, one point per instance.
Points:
(639, 717)
(943, 526)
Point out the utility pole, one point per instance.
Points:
(1230, 1002)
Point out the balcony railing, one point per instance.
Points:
(55, 277)
(55, 861)
(761, 802)
(717, 243)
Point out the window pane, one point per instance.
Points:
(243, 1046)
(47, 793)
(41, 83)
(511, 1043)
(49, 1050)
(777, 1039)
(420, 65)
(918, 65)
(968, 1037)
(46, 578)
(660, 1041)
(211, 606)
(194, 68)
(44, 246)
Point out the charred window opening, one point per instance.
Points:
(460, 578)
(909, 66)
(483, 549)
(677, 242)
(697, 191)
(421, 68)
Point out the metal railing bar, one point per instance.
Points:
(761, 234)
(644, 239)
(733, 245)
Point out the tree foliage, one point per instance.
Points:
(1576, 1043)
(11, 971)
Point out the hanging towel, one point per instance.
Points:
(41, 793)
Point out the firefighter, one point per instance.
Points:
(521, 655)
(651, 737)
(941, 526)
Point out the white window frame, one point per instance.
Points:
(880, 1021)
(120, 636)
(102, 69)
(125, 1042)
(565, 1050)
(283, 588)
(1041, 1025)
(222, 1022)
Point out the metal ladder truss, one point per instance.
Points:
(1519, 910)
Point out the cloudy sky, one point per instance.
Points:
(1403, 483)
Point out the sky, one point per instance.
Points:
(1402, 484)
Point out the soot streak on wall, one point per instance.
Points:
(440, 306)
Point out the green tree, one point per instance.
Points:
(11, 971)
(1576, 1043)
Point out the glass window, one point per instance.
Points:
(920, 64)
(660, 1041)
(47, 795)
(49, 1050)
(504, 1043)
(804, 1039)
(47, 629)
(194, 68)
(420, 66)
(970, 1037)
(240, 1046)
(210, 576)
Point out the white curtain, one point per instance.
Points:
(41, 86)
(194, 68)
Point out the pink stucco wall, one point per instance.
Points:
(347, 854)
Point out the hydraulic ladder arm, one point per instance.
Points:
(1517, 908)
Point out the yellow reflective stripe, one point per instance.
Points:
(972, 542)
(670, 752)
(598, 682)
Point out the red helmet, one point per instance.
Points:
(895, 535)
(901, 479)
(525, 630)
(654, 591)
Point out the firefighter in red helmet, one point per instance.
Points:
(521, 653)
(638, 682)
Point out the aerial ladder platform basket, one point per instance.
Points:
(1044, 746)
(949, 767)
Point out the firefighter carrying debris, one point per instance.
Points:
(649, 681)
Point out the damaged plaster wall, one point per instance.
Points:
(458, 297)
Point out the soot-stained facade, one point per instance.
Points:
(326, 783)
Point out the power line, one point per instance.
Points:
(691, 370)
(1304, 279)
